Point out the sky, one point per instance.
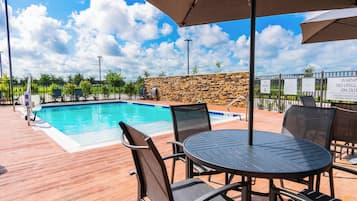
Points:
(132, 36)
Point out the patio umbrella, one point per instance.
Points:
(330, 26)
(195, 12)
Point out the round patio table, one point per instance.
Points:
(271, 155)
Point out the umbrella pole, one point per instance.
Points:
(251, 69)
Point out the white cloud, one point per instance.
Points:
(125, 35)
(166, 29)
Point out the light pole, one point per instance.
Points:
(188, 55)
(100, 69)
(9, 53)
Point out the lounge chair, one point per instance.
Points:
(78, 93)
(154, 94)
(188, 120)
(308, 101)
(56, 93)
(152, 177)
(313, 124)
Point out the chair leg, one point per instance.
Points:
(282, 183)
(272, 194)
(173, 170)
(332, 190)
(311, 183)
(317, 185)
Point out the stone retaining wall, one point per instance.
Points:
(218, 89)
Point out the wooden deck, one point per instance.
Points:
(38, 169)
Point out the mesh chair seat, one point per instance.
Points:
(317, 196)
(189, 120)
(308, 101)
(152, 178)
(313, 124)
(192, 189)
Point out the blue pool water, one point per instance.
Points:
(90, 124)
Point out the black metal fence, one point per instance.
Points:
(276, 100)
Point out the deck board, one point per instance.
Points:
(39, 169)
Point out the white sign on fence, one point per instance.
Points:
(290, 86)
(265, 86)
(342, 88)
(308, 85)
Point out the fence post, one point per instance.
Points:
(279, 96)
(321, 87)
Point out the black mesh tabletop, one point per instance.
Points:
(271, 155)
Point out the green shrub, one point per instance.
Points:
(86, 87)
(68, 89)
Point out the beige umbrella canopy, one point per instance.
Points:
(330, 26)
(195, 12)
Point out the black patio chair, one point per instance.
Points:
(308, 101)
(313, 124)
(345, 128)
(188, 120)
(142, 93)
(305, 195)
(78, 93)
(152, 177)
(56, 93)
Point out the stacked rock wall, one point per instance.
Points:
(218, 89)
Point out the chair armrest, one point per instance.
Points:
(352, 171)
(292, 195)
(221, 190)
(175, 143)
(173, 156)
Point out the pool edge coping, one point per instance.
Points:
(71, 146)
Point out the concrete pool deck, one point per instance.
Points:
(39, 169)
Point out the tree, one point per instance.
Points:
(114, 79)
(77, 79)
(195, 70)
(91, 79)
(70, 79)
(68, 89)
(86, 87)
(45, 80)
(52, 87)
(5, 86)
(309, 71)
(219, 66)
(129, 89)
(162, 74)
(57, 80)
(146, 74)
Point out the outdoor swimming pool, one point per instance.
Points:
(94, 124)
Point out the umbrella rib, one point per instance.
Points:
(325, 27)
(194, 3)
(347, 24)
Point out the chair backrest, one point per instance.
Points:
(56, 93)
(151, 170)
(308, 101)
(345, 125)
(78, 92)
(311, 123)
(189, 120)
(142, 92)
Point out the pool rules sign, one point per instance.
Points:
(265, 86)
(342, 88)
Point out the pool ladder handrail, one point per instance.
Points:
(229, 105)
